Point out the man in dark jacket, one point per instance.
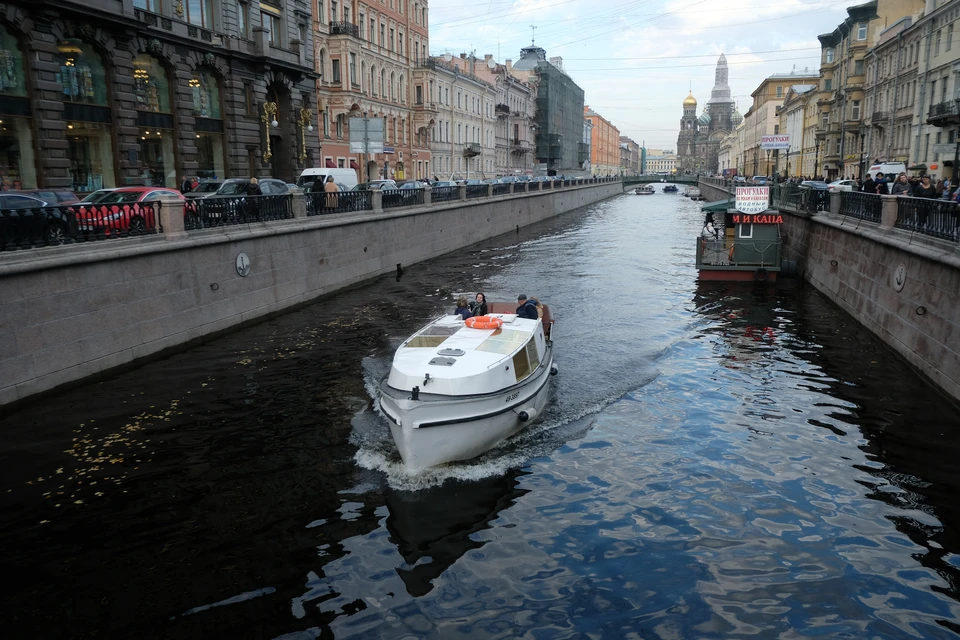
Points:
(869, 186)
(527, 308)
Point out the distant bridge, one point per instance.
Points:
(628, 180)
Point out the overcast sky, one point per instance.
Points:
(636, 60)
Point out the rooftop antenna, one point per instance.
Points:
(533, 35)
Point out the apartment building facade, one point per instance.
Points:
(604, 144)
(515, 109)
(372, 62)
(464, 141)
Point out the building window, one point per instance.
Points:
(828, 84)
(862, 31)
(858, 68)
(322, 16)
(248, 101)
(373, 30)
(361, 23)
(151, 87)
(18, 167)
(200, 13)
(206, 95)
(779, 92)
(936, 47)
(391, 40)
(383, 37)
(829, 55)
(271, 23)
(82, 76)
(333, 10)
(855, 110)
(949, 37)
(302, 34)
(335, 69)
(149, 5)
(326, 124)
(243, 10)
(353, 68)
(340, 126)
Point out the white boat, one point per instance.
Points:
(693, 193)
(646, 190)
(456, 391)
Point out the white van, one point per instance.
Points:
(345, 177)
(890, 170)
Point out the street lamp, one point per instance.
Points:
(863, 134)
(768, 162)
(755, 161)
(816, 158)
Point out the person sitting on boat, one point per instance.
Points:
(463, 310)
(479, 306)
(527, 308)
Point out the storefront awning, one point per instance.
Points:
(354, 165)
(330, 164)
(917, 167)
(719, 206)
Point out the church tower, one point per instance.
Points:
(720, 107)
(686, 141)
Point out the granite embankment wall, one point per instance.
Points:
(71, 312)
(856, 264)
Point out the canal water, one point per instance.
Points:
(716, 461)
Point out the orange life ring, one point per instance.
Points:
(483, 322)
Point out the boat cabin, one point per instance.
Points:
(739, 246)
(464, 360)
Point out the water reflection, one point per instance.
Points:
(434, 527)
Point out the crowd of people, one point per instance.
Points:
(922, 186)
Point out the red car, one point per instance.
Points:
(124, 211)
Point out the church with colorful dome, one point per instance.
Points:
(699, 141)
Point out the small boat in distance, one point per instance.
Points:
(693, 193)
(645, 190)
(458, 388)
(671, 188)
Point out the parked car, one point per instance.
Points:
(237, 187)
(128, 210)
(375, 185)
(52, 197)
(25, 220)
(818, 185)
(759, 180)
(844, 185)
(444, 183)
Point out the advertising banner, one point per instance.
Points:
(752, 199)
(775, 142)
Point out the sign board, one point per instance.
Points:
(366, 135)
(775, 142)
(752, 199)
(387, 149)
(757, 219)
(944, 148)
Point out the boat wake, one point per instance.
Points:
(560, 423)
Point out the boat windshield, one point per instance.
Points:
(504, 341)
(433, 336)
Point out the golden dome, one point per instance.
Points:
(690, 101)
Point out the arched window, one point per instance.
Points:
(393, 80)
(151, 87)
(372, 89)
(205, 87)
(383, 76)
(402, 91)
(18, 166)
(83, 80)
(363, 74)
(322, 63)
(340, 125)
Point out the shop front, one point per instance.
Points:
(155, 122)
(83, 84)
(18, 167)
(208, 123)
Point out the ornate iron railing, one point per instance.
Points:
(218, 211)
(443, 194)
(501, 188)
(865, 206)
(937, 218)
(319, 204)
(476, 190)
(51, 226)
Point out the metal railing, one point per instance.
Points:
(319, 204)
(476, 190)
(865, 206)
(68, 224)
(344, 28)
(51, 226)
(937, 218)
(443, 194)
(218, 211)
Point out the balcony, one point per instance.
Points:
(519, 146)
(943, 114)
(420, 105)
(426, 64)
(344, 29)
(501, 110)
(471, 149)
(880, 118)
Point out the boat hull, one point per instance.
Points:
(436, 429)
